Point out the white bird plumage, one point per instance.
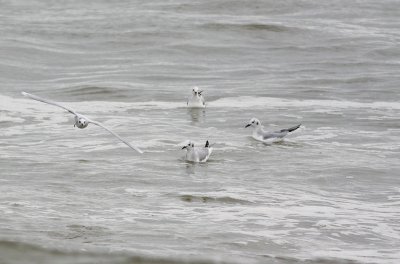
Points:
(266, 136)
(197, 154)
(196, 100)
(81, 121)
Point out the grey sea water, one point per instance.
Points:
(329, 193)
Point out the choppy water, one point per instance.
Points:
(330, 193)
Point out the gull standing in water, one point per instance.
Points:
(265, 136)
(81, 121)
(196, 100)
(197, 154)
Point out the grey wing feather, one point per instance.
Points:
(271, 135)
(281, 133)
(116, 135)
(37, 98)
(202, 153)
(276, 134)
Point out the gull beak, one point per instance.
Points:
(184, 147)
(200, 92)
(247, 125)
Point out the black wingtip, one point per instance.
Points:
(207, 144)
(294, 128)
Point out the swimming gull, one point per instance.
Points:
(197, 154)
(196, 100)
(266, 136)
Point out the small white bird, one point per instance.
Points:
(80, 120)
(197, 154)
(196, 100)
(265, 136)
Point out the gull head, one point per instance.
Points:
(81, 123)
(254, 122)
(188, 146)
(196, 91)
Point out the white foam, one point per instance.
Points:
(19, 104)
(316, 137)
(272, 102)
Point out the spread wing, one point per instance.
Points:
(115, 134)
(37, 98)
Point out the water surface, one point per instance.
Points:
(329, 193)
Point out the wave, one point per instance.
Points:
(248, 27)
(293, 260)
(12, 252)
(272, 102)
(92, 90)
(18, 105)
(210, 199)
(16, 252)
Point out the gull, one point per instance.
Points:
(265, 136)
(197, 154)
(196, 100)
(81, 121)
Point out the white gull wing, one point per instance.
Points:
(205, 154)
(196, 102)
(115, 134)
(40, 99)
(199, 154)
(277, 134)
